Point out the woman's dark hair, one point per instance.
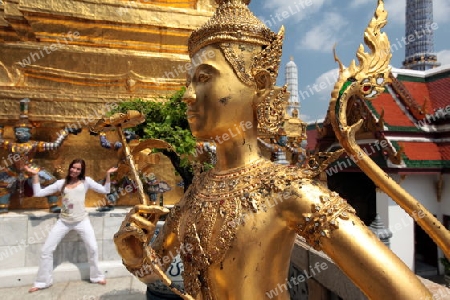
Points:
(83, 169)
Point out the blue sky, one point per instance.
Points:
(314, 26)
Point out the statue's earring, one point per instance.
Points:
(270, 109)
(263, 82)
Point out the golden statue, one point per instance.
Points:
(235, 226)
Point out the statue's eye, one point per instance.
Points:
(202, 77)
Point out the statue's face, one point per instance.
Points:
(217, 100)
(22, 134)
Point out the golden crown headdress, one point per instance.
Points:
(233, 22)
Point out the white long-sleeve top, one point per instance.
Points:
(73, 200)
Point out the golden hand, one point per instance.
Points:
(135, 233)
(132, 243)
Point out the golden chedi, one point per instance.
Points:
(235, 227)
(76, 61)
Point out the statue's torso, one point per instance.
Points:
(234, 224)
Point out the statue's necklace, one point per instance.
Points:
(216, 205)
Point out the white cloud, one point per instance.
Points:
(307, 118)
(323, 36)
(313, 119)
(321, 89)
(396, 11)
(444, 57)
(294, 11)
(358, 3)
(441, 11)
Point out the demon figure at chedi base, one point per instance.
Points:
(239, 220)
(20, 153)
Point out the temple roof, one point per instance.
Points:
(412, 116)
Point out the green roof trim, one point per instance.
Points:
(432, 78)
(396, 145)
(404, 128)
(344, 163)
(410, 78)
(426, 163)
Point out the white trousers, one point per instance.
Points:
(84, 228)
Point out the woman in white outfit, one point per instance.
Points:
(73, 216)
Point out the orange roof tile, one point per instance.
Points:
(445, 151)
(419, 91)
(439, 92)
(421, 151)
(393, 115)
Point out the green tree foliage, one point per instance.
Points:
(166, 120)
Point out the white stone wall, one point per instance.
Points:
(423, 187)
(445, 199)
(23, 233)
(402, 227)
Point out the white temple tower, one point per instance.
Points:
(293, 108)
(419, 52)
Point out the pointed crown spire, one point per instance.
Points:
(232, 22)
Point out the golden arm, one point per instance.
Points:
(374, 268)
(329, 223)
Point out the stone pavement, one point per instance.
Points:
(121, 288)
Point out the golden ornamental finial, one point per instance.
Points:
(373, 69)
(367, 80)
